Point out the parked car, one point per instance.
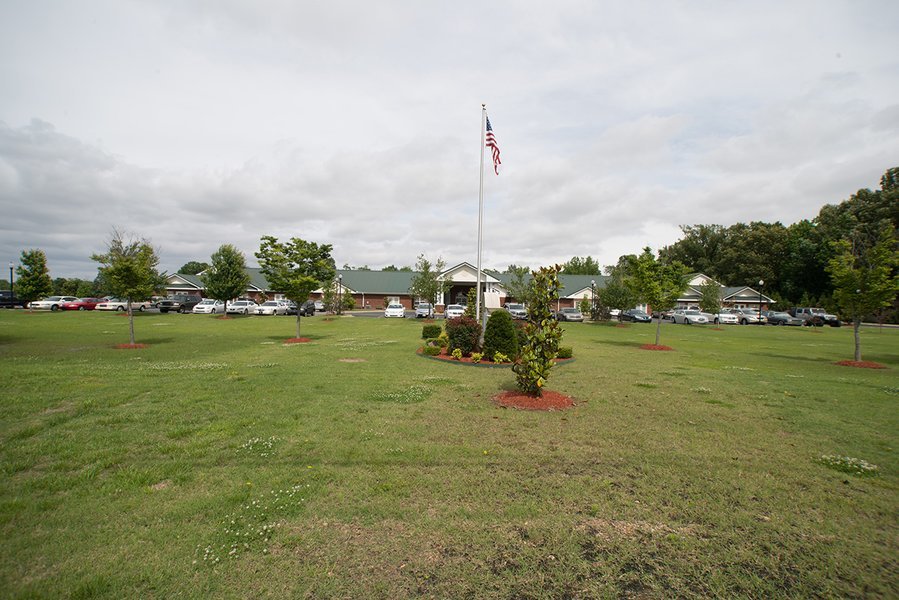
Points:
(569, 314)
(515, 310)
(9, 300)
(395, 310)
(665, 315)
(636, 315)
(120, 305)
(307, 309)
(689, 316)
(815, 316)
(749, 316)
(722, 317)
(424, 310)
(782, 318)
(272, 307)
(319, 306)
(81, 304)
(615, 312)
(51, 302)
(453, 311)
(291, 308)
(208, 306)
(181, 303)
(241, 307)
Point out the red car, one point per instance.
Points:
(81, 304)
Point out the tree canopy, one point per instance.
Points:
(658, 283)
(32, 276)
(193, 267)
(226, 277)
(425, 283)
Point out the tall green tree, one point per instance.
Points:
(426, 283)
(227, 277)
(582, 266)
(615, 294)
(296, 268)
(193, 267)
(129, 269)
(655, 282)
(32, 276)
(864, 276)
(519, 285)
(710, 297)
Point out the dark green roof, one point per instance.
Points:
(377, 282)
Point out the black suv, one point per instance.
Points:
(8, 300)
(179, 303)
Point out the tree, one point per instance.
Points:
(129, 269)
(581, 266)
(710, 297)
(864, 276)
(296, 268)
(426, 283)
(32, 276)
(227, 277)
(542, 333)
(615, 294)
(395, 268)
(519, 284)
(193, 267)
(656, 283)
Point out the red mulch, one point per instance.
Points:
(130, 346)
(299, 340)
(654, 347)
(548, 401)
(861, 364)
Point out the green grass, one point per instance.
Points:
(219, 462)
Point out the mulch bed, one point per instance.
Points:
(130, 346)
(548, 401)
(861, 364)
(654, 347)
(299, 340)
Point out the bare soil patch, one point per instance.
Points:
(861, 364)
(130, 346)
(299, 340)
(654, 347)
(550, 400)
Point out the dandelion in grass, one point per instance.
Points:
(701, 390)
(847, 464)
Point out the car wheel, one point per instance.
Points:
(80, 308)
(54, 308)
(246, 312)
(142, 308)
(120, 309)
(213, 311)
(716, 321)
(744, 322)
(780, 323)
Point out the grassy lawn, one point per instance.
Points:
(219, 462)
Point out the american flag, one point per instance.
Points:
(491, 143)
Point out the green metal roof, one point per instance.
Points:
(377, 282)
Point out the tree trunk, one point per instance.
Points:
(298, 322)
(856, 325)
(131, 322)
(658, 330)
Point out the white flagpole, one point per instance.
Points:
(481, 211)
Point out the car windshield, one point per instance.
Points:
(636, 312)
(779, 315)
(691, 312)
(270, 303)
(395, 306)
(570, 310)
(454, 307)
(424, 306)
(516, 306)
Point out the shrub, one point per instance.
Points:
(443, 340)
(542, 331)
(565, 352)
(430, 331)
(476, 357)
(457, 354)
(431, 350)
(499, 357)
(463, 334)
(500, 335)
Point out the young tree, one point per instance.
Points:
(656, 283)
(227, 277)
(542, 333)
(425, 282)
(519, 285)
(193, 267)
(32, 276)
(615, 294)
(864, 277)
(129, 268)
(296, 268)
(710, 297)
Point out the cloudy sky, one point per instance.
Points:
(204, 122)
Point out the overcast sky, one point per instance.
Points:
(200, 123)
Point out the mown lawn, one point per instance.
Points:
(219, 462)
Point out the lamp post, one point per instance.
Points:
(339, 293)
(12, 291)
(592, 299)
(761, 283)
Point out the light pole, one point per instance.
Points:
(12, 291)
(592, 299)
(339, 293)
(761, 283)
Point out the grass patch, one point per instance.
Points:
(220, 462)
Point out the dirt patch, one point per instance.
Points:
(717, 328)
(130, 346)
(861, 364)
(351, 360)
(299, 340)
(654, 347)
(161, 485)
(64, 407)
(550, 400)
(609, 529)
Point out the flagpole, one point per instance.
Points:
(481, 213)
